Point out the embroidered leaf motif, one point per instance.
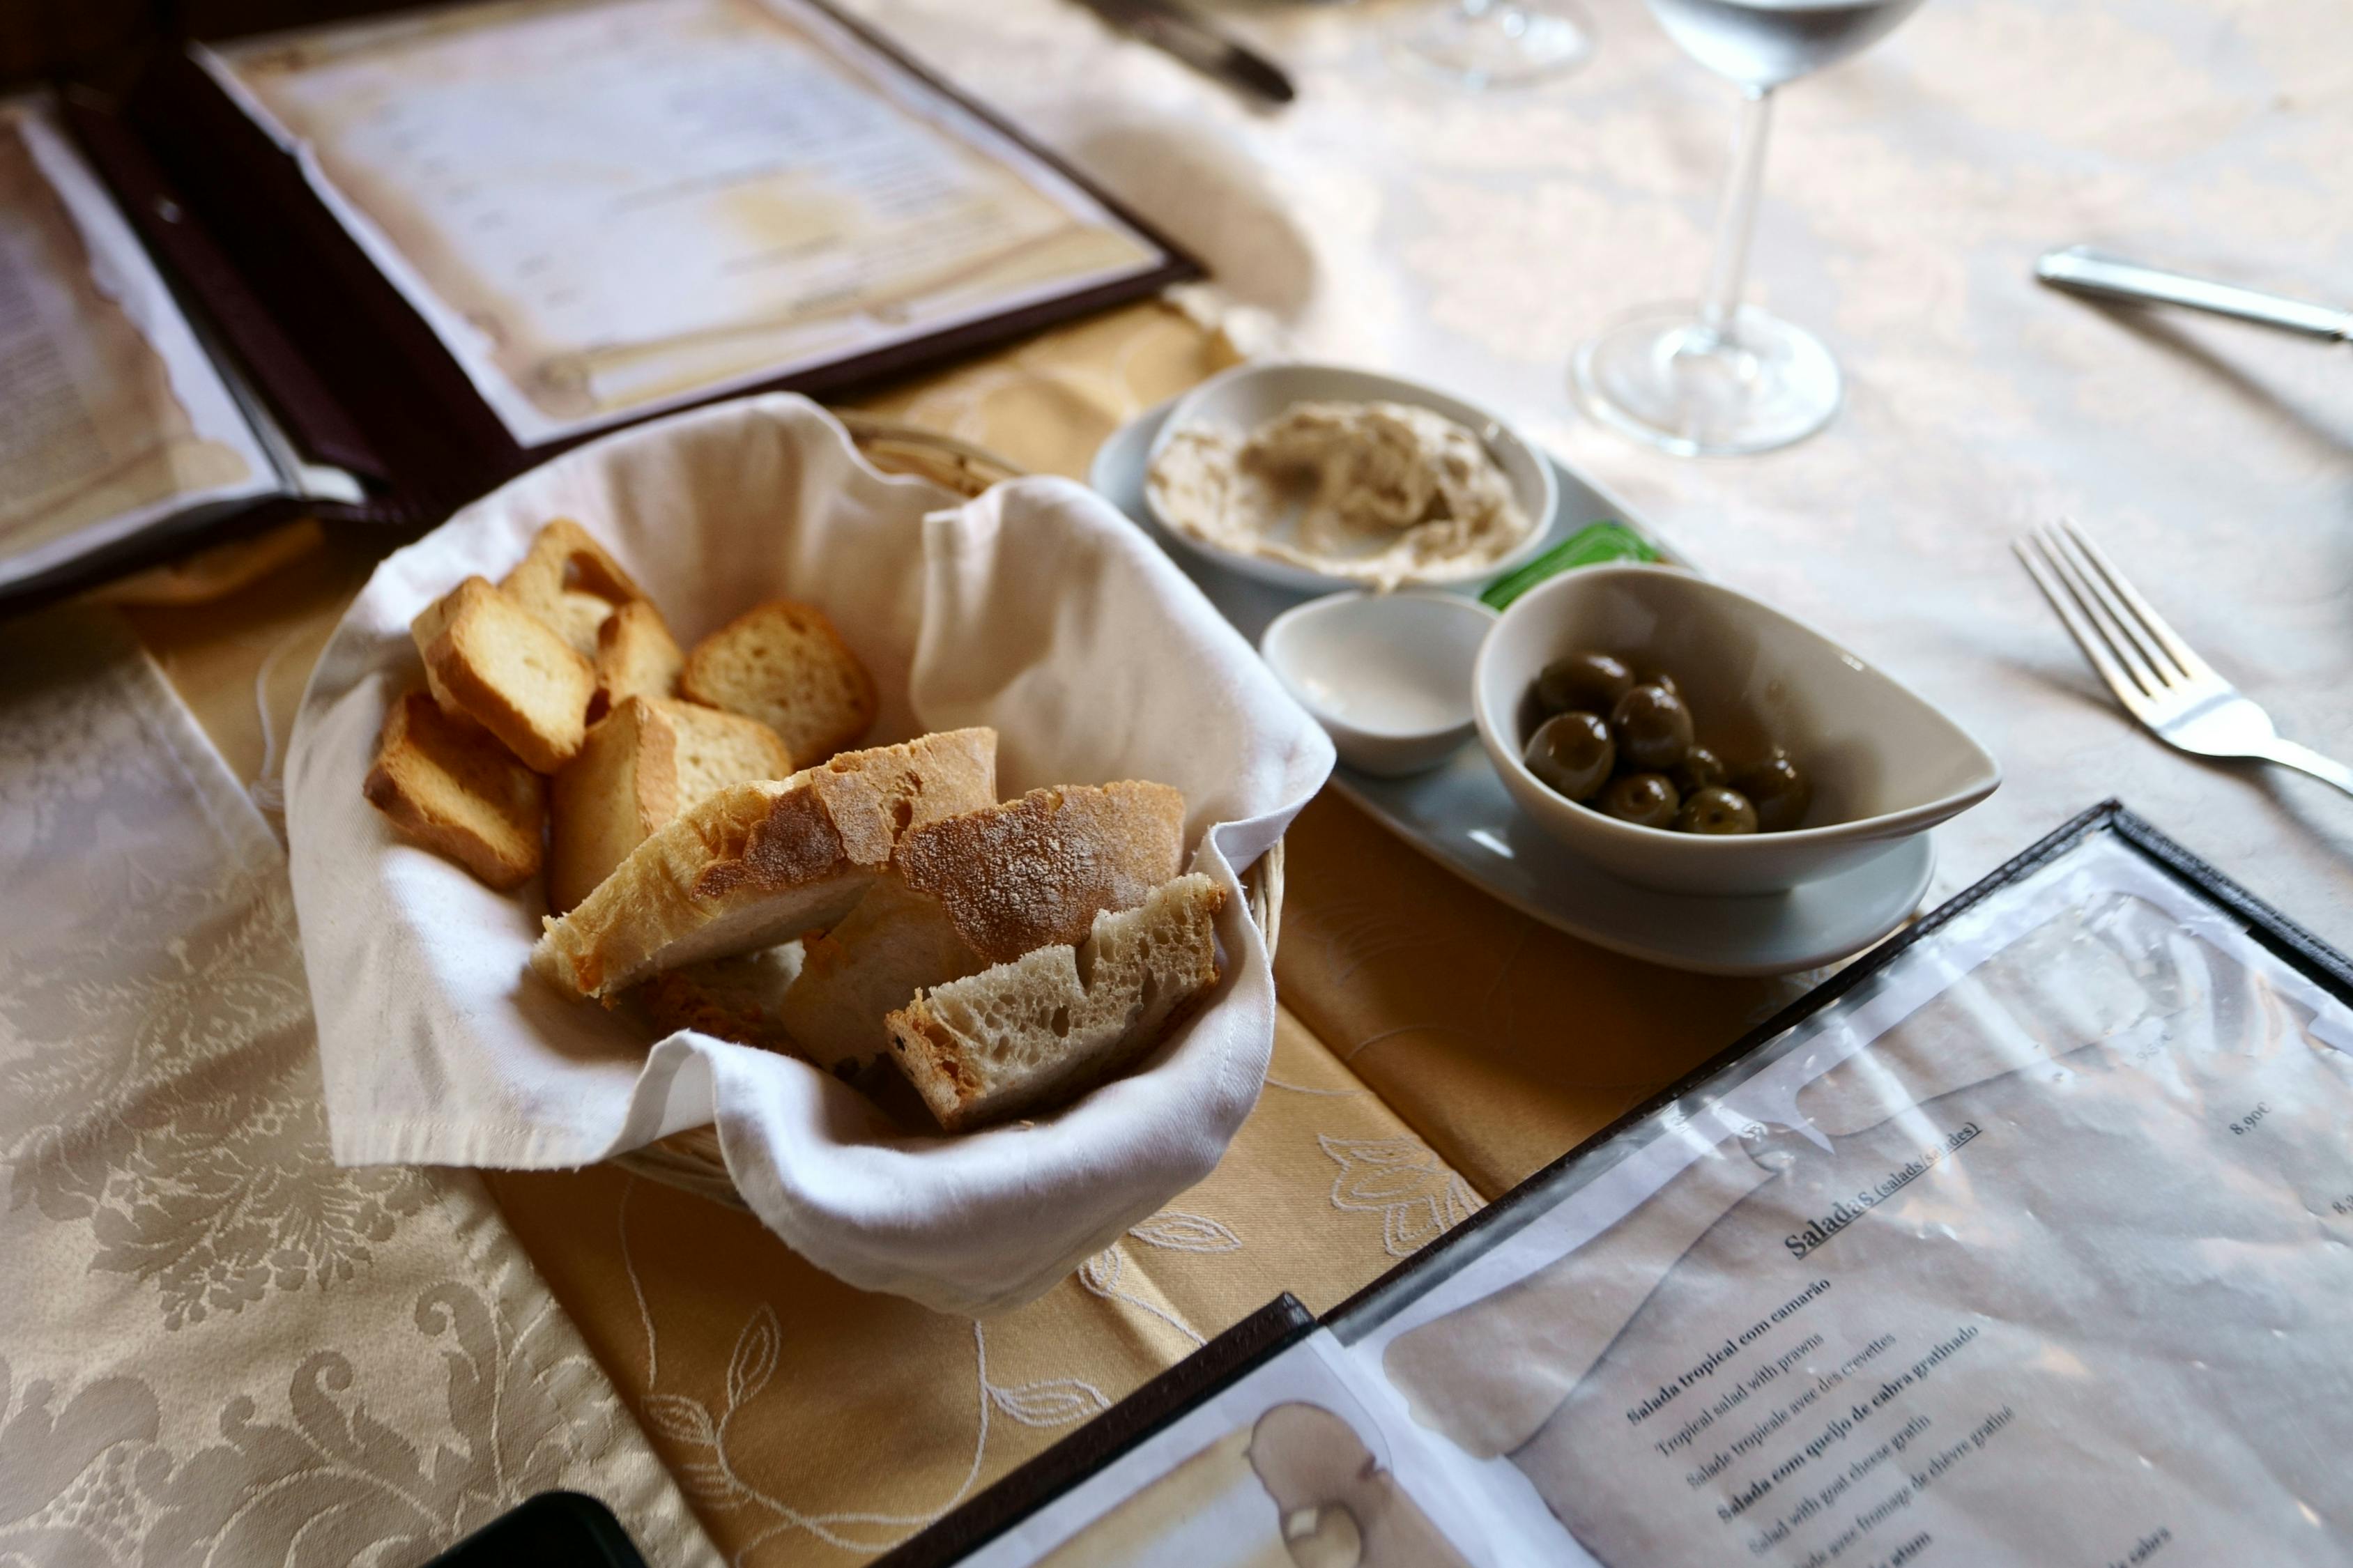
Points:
(755, 1358)
(707, 1481)
(1417, 1196)
(1054, 1402)
(1181, 1232)
(678, 1418)
(1100, 1273)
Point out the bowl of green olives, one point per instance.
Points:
(1687, 737)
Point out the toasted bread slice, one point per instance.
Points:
(969, 891)
(760, 863)
(639, 766)
(569, 581)
(1040, 1029)
(453, 788)
(501, 665)
(636, 656)
(786, 666)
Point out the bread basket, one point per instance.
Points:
(1033, 608)
(690, 1161)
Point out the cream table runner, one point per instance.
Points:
(216, 1347)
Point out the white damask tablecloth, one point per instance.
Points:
(214, 1346)
(1472, 239)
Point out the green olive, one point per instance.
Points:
(1779, 790)
(1653, 726)
(1716, 810)
(1573, 753)
(1700, 769)
(1647, 800)
(1588, 682)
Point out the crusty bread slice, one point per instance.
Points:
(501, 665)
(760, 863)
(969, 891)
(568, 580)
(726, 998)
(636, 656)
(1055, 1021)
(453, 788)
(786, 666)
(641, 766)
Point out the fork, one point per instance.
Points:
(2152, 671)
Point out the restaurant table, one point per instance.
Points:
(1435, 1047)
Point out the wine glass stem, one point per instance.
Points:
(1736, 220)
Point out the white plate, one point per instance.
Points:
(1459, 815)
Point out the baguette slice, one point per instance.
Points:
(499, 664)
(636, 656)
(639, 766)
(758, 864)
(969, 891)
(569, 581)
(1055, 1021)
(453, 788)
(786, 666)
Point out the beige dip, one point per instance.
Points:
(1383, 493)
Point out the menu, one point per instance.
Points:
(2033, 1246)
(606, 207)
(111, 414)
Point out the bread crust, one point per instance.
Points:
(1042, 1028)
(974, 889)
(1037, 871)
(636, 656)
(572, 582)
(784, 663)
(758, 863)
(454, 789)
(507, 670)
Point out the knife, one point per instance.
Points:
(1171, 27)
(2080, 269)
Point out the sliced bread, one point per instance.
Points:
(969, 891)
(641, 766)
(502, 666)
(1040, 1029)
(453, 788)
(636, 656)
(572, 582)
(786, 666)
(757, 864)
(726, 998)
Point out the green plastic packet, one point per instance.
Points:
(1588, 546)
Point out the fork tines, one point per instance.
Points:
(2135, 652)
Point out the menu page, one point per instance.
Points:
(605, 208)
(2034, 1248)
(111, 416)
(2037, 1249)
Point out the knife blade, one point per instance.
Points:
(1177, 31)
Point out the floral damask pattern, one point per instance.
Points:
(158, 1068)
(238, 1353)
(84, 1473)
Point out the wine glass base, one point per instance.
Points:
(1498, 43)
(1662, 377)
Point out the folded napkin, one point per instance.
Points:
(1037, 609)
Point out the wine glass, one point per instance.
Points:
(1720, 376)
(1498, 43)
